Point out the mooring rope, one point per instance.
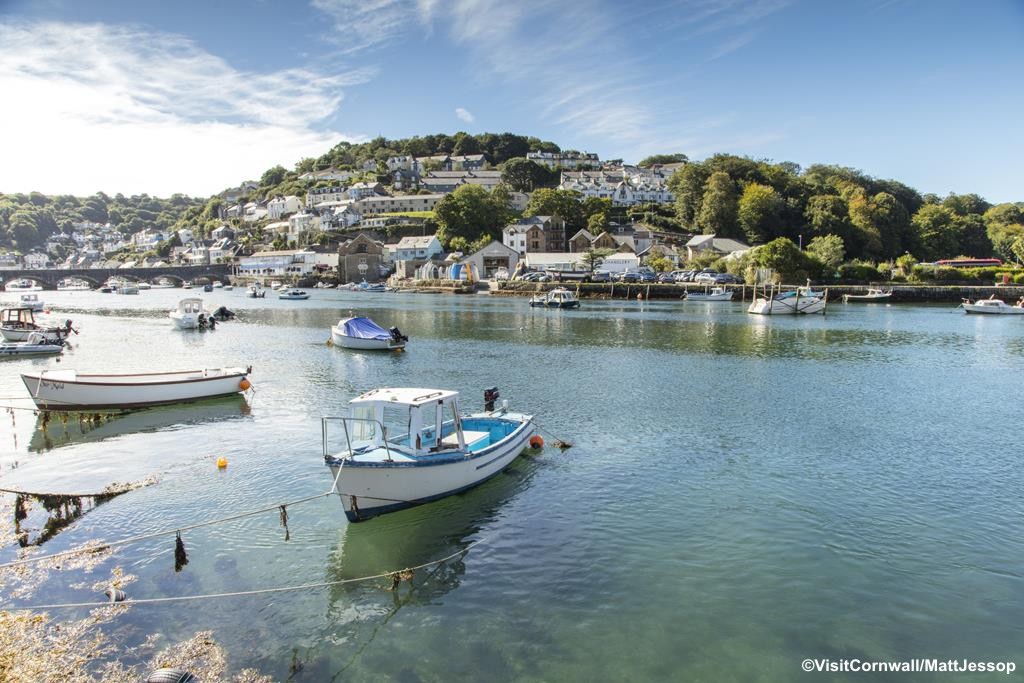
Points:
(156, 534)
(259, 591)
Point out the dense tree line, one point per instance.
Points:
(759, 201)
(28, 220)
(499, 147)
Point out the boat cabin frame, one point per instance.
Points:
(21, 318)
(415, 422)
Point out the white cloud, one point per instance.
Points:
(121, 109)
(464, 115)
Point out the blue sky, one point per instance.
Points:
(193, 97)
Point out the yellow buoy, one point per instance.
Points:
(244, 384)
(536, 441)
(222, 462)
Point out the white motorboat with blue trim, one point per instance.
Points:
(293, 294)
(406, 446)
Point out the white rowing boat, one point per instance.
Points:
(72, 390)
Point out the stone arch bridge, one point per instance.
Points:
(48, 278)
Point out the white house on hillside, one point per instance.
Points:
(279, 207)
(414, 248)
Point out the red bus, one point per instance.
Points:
(969, 262)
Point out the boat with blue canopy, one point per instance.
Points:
(408, 446)
(357, 332)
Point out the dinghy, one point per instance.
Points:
(72, 390)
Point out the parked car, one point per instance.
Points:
(535, 276)
(666, 277)
(707, 278)
(629, 276)
(599, 276)
(727, 279)
(647, 277)
(684, 275)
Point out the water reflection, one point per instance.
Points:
(56, 430)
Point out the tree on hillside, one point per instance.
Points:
(593, 258)
(470, 212)
(465, 144)
(759, 213)
(273, 176)
(687, 184)
(1004, 224)
(936, 232)
(663, 159)
(597, 224)
(524, 175)
(719, 208)
(828, 214)
(828, 249)
(789, 263)
(563, 203)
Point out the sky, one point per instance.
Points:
(193, 97)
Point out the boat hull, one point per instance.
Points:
(561, 304)
(371, 489)
(26, 349)
(726, 296)
(992, 310)
(58, 391)
(52, 335)
(184, 321)
(804, 305)
(347, 342)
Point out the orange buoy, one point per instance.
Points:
(536, 441)
(244, 384)
(222, 463)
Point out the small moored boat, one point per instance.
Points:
(993, 306)
(802, 300)
(714, 294)
(190, 314)
(32, 301)
(293, 294)
(72, 390)
(873, 295)
(364, 334)
(254, 292)
(23, 285)
(365, 286)
(73, 285)
(16, 324)
(35, 345)
(559, 297)
(405, 447)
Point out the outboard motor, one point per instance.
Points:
(396, 335)
(490, 396)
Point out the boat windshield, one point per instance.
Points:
(365, 426)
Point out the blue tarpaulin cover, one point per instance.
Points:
(364, 328)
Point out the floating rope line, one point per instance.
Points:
(403, 574)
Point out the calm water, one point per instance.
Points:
(744, 492)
